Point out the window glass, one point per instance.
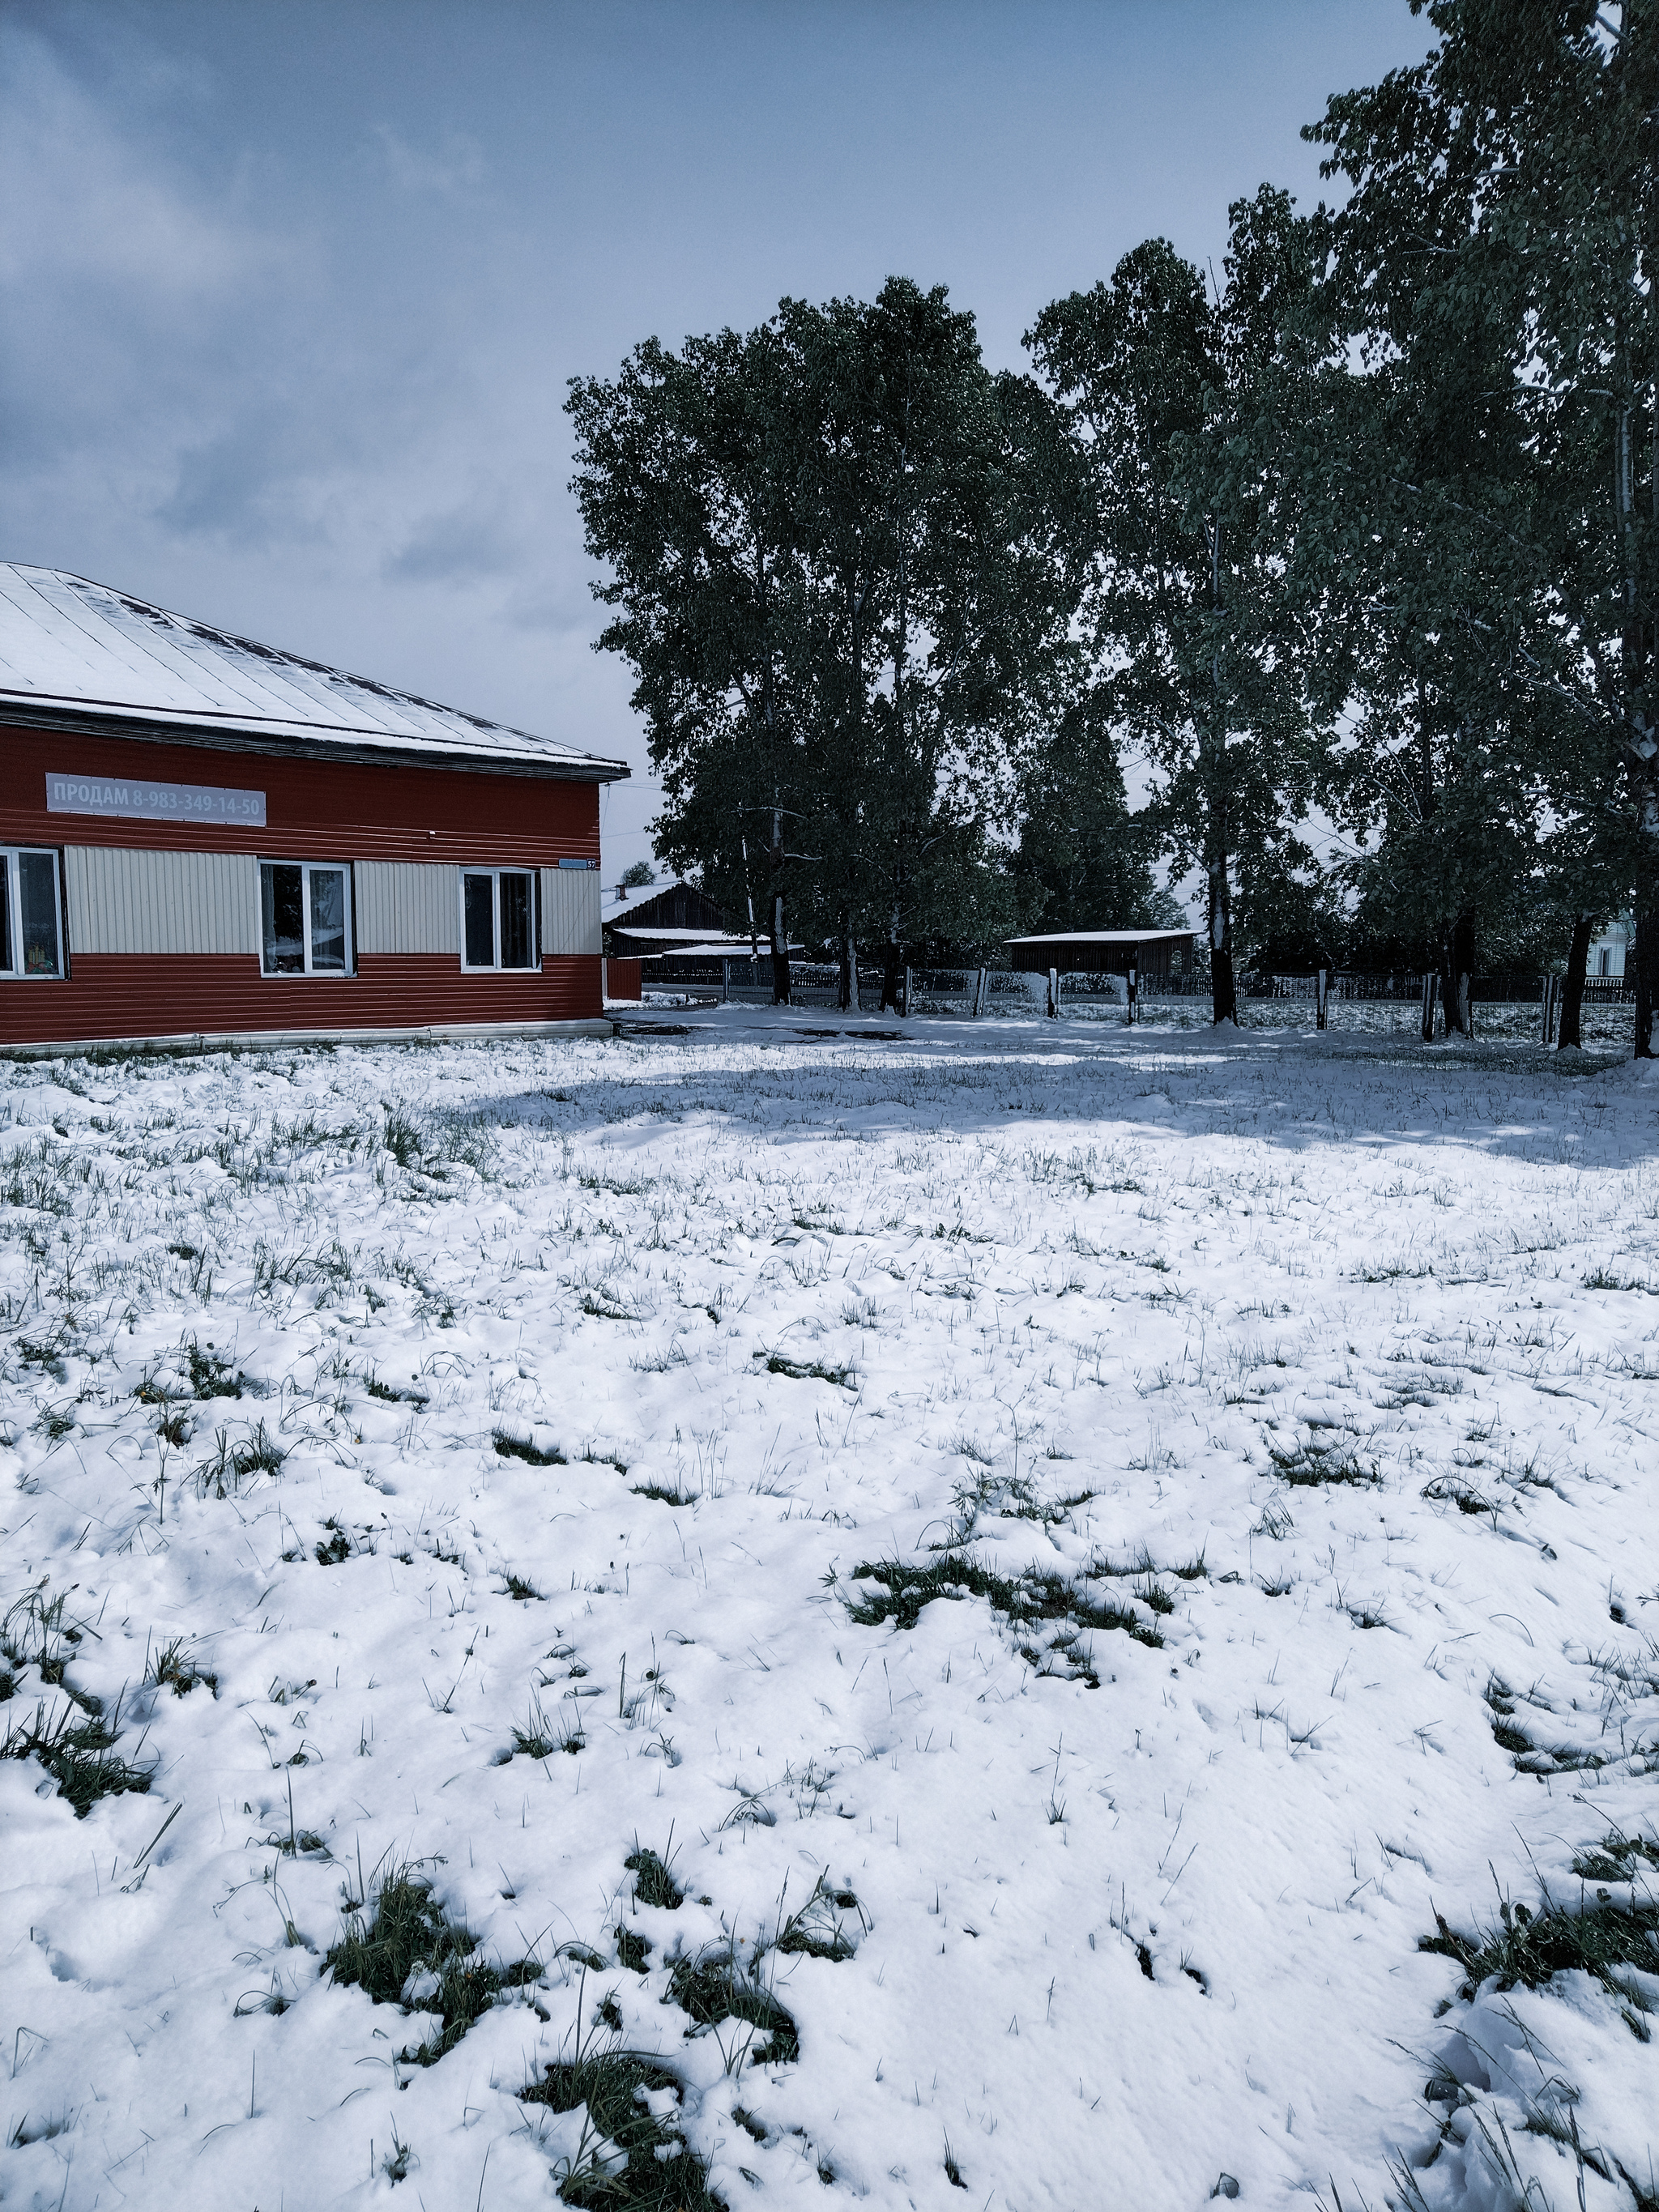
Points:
(5, 917)
(37, 884)
(478, 904)
(281, 899)
(328, 923)
(516, 944)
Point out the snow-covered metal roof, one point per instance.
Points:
(1106, 937)
(711, 948)
(79, 655)
(648, 933)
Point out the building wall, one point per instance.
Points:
(1613, 943)
(407, 906)
(163, 918)
(570, 912)
(161, 902)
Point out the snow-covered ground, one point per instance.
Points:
(1063, 1548)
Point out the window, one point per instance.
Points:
(1606, 967)
(31, 923)
(304, 912)
(498, 918)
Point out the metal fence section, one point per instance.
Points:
(963, 993)
(968, 994)
(746, 982)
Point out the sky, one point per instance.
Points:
(291, 290)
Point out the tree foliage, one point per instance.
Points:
(832, 543)
(1350, 559)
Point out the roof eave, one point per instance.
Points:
(356, 749)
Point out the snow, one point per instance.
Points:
(70, 645)
(1132, 1913)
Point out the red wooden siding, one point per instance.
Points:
(128, 995)
(314, 810)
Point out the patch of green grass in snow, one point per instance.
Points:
(903, 1589)
(843, 1375)
(406, 1950)
(715, 1988)
(512, 1447)
(1616, 1857)
(653, 1883)
(618, 2088)
(1528, 1947)
(77, 1749)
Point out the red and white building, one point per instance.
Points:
(202, 839)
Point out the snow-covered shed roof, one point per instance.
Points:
(79, 655)
(1107, 951)
(1081, 937)
(700, 940)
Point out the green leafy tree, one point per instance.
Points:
(941, 611)
(1502, 208)
(1084, 860)
(838, 583)
(683, 468)
(1182, 609)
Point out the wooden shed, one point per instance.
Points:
(202, 838)
(1104, 952)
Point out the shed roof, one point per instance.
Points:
(648, 933)
(1182, 937)
(78, 655)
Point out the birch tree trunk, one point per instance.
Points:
(780, 934)
(1224, 995)
(892, 966)
(1646, 955)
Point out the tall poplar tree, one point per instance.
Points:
(833, 555)
(684, 465)
(1509, 186)
(1160, 382)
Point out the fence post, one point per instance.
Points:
(1430, 981)
(1322, 998)
(1134, 981)
(1054, 994)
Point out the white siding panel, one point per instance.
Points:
(408, 906)
(570, 911)
(127, 901)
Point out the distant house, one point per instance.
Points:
(203, 838)
(1607, 952)
(1103, 952)
(649, 923)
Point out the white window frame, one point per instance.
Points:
(291, 975)
(494, 967)
(14, 931)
